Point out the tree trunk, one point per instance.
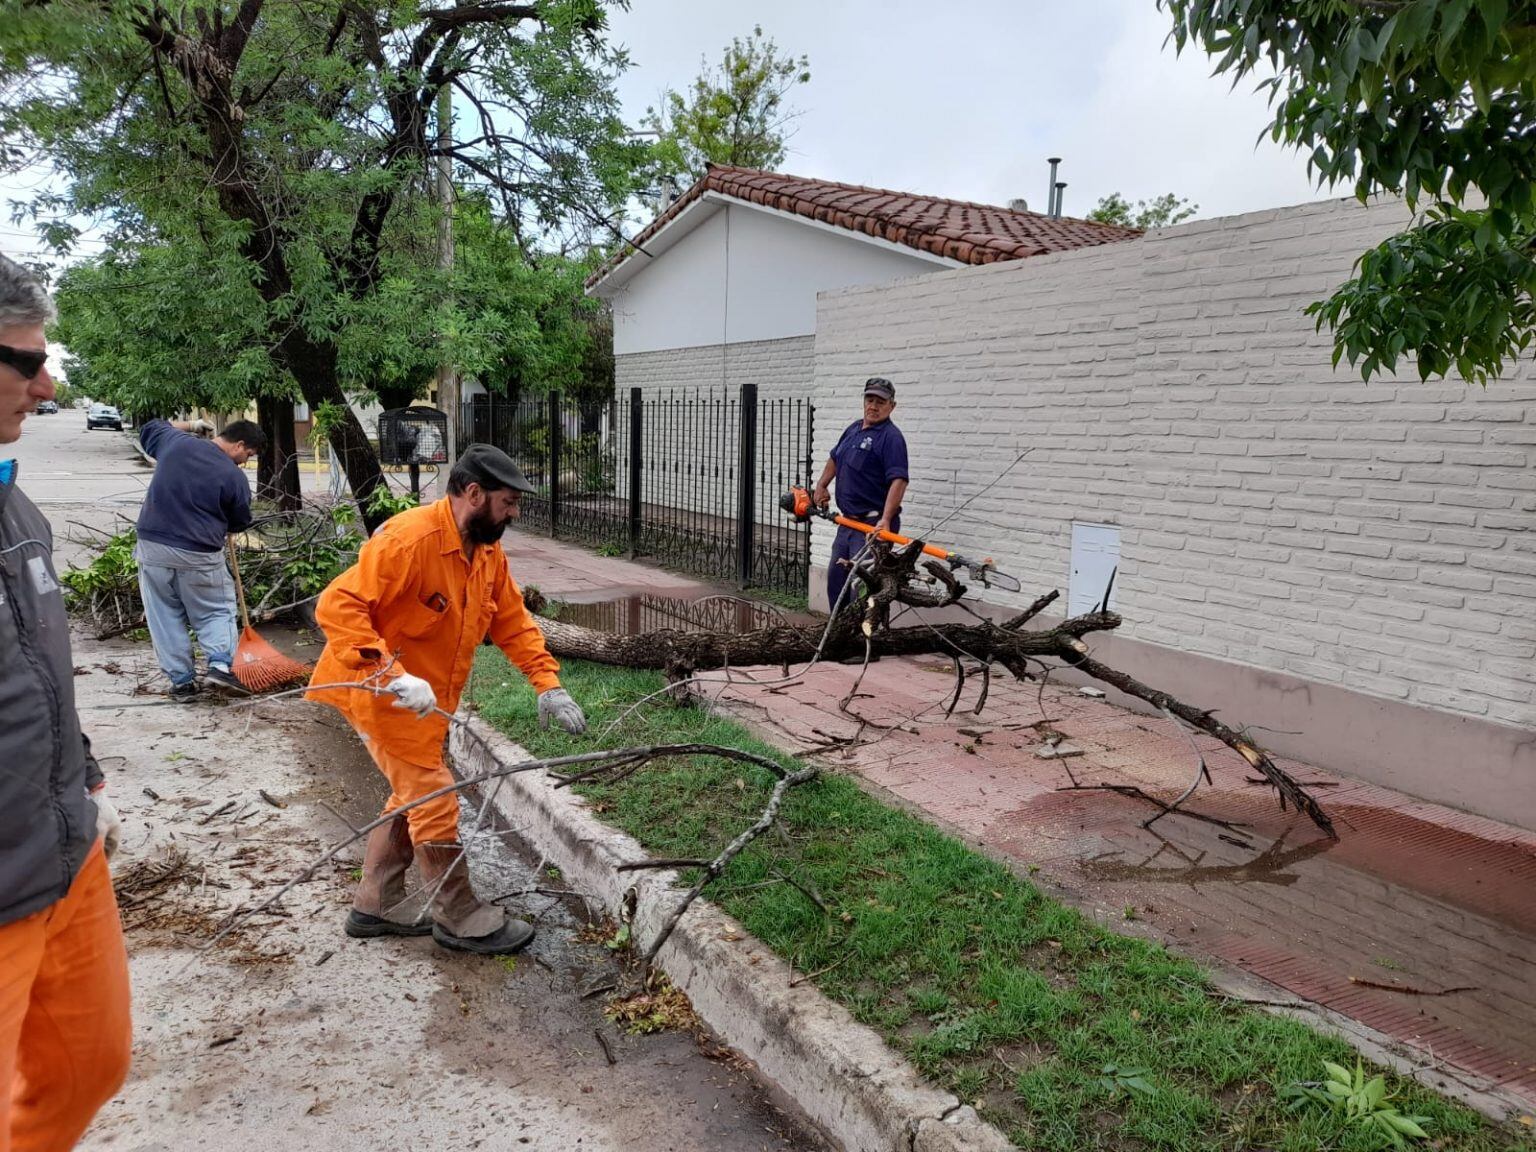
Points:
(313, 365)
(277, 468)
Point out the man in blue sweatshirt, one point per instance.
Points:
(198, 496)
(869, 464)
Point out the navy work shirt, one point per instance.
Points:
(198, 494)
(867, 460)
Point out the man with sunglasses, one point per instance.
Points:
(64, 1027)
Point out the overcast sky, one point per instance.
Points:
(966, 99)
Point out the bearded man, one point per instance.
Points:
(426, 589)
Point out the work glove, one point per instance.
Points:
(415, 694)
(109, 825)
(557, 705)
(200, 428)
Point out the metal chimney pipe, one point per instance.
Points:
(1060, 187)
(1050, 191)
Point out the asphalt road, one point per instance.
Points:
(78, 477)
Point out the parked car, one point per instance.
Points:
(103, 416)
(47, 407)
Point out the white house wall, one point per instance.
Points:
(745, 276)
(1351, 565)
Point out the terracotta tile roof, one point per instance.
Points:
(957, 229)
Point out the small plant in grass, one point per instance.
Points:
(1361, 1102)
(611, 548)
(1118, 1080)
(619, 941)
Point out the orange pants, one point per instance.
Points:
(65, 1035)
(436, 821)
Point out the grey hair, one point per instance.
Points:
(23, 299)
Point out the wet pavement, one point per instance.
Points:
(1419, 921)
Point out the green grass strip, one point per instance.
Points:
(1064, 1034)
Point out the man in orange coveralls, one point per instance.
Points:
(425, 590)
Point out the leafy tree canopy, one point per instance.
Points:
(1159, 212)
(260, 169)
(1428, 99)
(735, 112)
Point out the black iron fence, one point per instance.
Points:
(691, 479)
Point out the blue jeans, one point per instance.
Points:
(847, 544)
(184, 590)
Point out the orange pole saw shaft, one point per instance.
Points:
(797, 502)
(888, 536)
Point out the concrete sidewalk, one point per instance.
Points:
(1419, 922)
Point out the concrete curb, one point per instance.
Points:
(840, 1073)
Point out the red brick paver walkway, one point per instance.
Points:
(1412, 896)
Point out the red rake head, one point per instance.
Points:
(262, 668)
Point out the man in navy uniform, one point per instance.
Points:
(870, 466)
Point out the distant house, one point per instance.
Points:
(721, 288)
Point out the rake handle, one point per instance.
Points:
(234, 568)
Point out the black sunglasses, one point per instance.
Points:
(28, 361)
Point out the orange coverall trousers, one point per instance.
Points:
(436, 821)
(65, 1034)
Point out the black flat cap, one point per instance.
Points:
(881, 387)
(490, 467)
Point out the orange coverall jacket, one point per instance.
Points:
(412, 595)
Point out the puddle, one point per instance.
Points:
(637, 614)
(1378, 925)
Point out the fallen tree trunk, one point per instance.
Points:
(887, 576)
(679, 654)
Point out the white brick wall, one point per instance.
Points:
(1274, 513)
(777, 367)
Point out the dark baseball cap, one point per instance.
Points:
(881, 387)
(490, 467)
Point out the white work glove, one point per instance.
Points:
(109, 825)
(557, 705)
(200, 428)
(415, 694)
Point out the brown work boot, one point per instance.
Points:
(377, 905)
(461, 920)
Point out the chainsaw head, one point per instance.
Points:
(797, 502)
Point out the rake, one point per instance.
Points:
(258, 665)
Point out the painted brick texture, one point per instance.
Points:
(777, 367)
(1273, 512)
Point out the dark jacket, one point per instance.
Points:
(47, 822)
(197, 496)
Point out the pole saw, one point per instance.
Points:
(797, 502)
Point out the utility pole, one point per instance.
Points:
(447, 378)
